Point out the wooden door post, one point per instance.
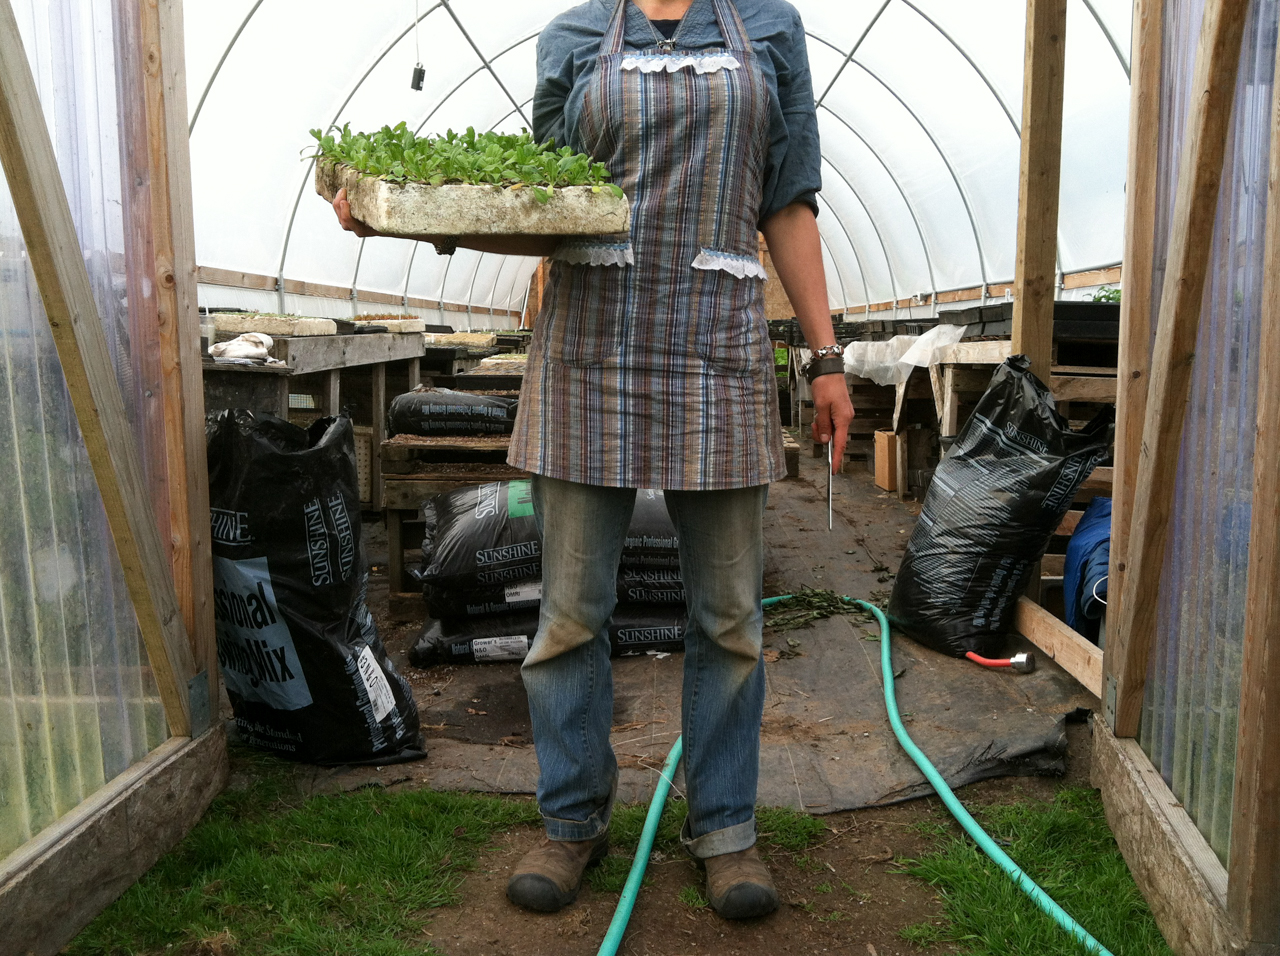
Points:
(1135, 280)
(1036, 268)
(174, 242)
(1190, 249)
(1253, 886)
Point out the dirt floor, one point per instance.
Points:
(846, 895)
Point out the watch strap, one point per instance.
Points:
(828, 365)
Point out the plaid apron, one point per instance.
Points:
(650, 364)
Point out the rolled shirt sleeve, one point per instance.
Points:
(793, 172)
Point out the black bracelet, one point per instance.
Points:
(829, 365)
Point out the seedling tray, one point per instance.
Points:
(418, 209)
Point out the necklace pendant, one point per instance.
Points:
(666, 46)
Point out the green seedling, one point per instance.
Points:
(512, 161)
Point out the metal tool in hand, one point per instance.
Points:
(830, 513)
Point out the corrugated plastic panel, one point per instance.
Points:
(78, 704)
(1193, 691)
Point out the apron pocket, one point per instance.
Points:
(730, 335)
(583, 317)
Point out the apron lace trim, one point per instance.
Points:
(740, 266)
(674, 62)
(595, 253)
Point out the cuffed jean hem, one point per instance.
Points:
(740, 836)
(572, 831)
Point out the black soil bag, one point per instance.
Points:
(442, 411)
(651, 537)
(307, 675)
(481, 537)
(995, 500)
(485, 539)
(632, 630)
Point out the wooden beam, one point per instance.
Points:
(252, 280)
(236, 280)
(173, 235)
(1190, 249)
(976, 353)
(1035, 270)
(54, 885)
(1136, 283)
(1074, 654)
(1081, 388)
(31, 169)
(1254, 889)
(1083, 280)
(1176, 870)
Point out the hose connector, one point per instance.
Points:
(1023, 663)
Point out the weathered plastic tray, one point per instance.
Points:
(417, 209)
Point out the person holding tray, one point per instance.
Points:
(651, 366)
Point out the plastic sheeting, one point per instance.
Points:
(893, 361)
(77, 701)
(1193, 690)
(919, 106)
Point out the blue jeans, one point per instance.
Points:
(570, 682)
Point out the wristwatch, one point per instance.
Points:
(827, 360)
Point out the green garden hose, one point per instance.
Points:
(988, 846)
(622, 915)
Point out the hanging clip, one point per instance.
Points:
(419, 74)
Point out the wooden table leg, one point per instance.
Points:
(900, 441)
(415, 373)
(282, 397)
(379, 374)
(333, 391)
(950, 403)
(395, 550)
(939, 399)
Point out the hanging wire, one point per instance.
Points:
(419, 73)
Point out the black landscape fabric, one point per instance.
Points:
(303, 665)
(994, 502)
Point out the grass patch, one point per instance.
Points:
(610, 874)
(268, 873)
(271, 873)
(692, 897)
(1066, 847)
(786, 829)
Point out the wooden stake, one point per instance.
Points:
(1036, 269)
(53, 248)
(1190, 249)
(1135, 281)
(1253, 892)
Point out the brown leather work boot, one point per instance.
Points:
(548, 876)
(739, 885)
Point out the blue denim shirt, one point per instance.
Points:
(567, 51)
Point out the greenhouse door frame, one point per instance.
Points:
(1201, 906)
(51, 887)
